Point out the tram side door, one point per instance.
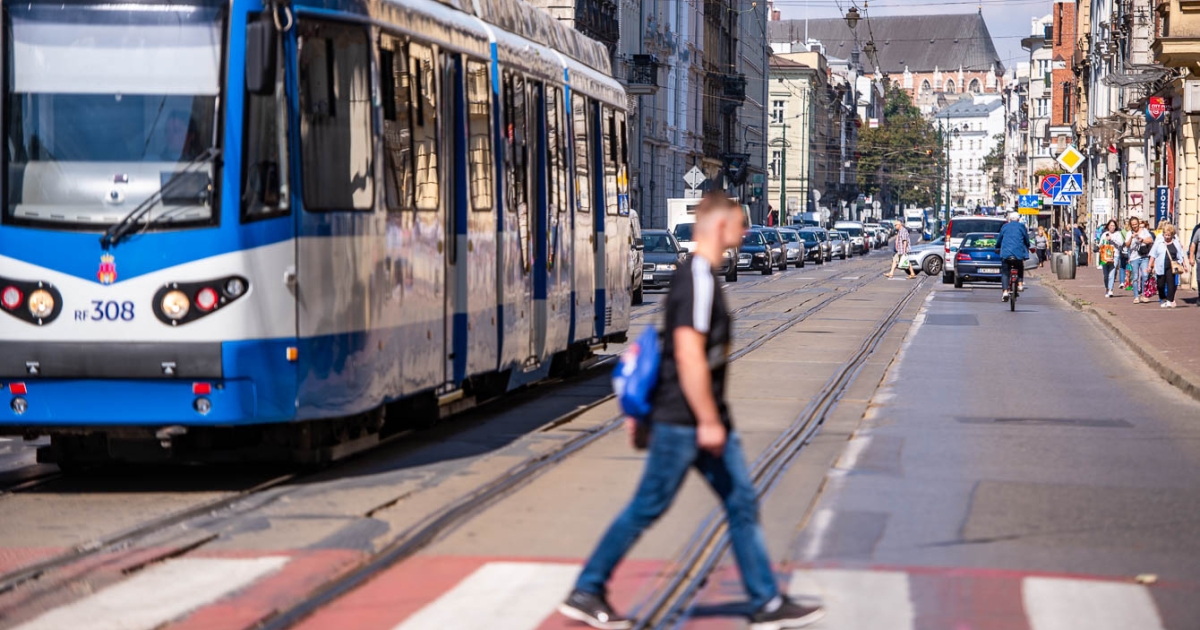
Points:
(454, 135)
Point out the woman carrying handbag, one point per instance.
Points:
(1167, 259)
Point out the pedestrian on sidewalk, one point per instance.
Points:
(690, 427)
(901, 247)
(1081, 242)
(1041, 242)
(1110, 246)
(1193, 250)
(1139, 243)
(1168, 260)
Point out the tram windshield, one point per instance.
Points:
(107, 105)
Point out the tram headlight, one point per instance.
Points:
(235, 287)
(11, 297)
(41, 304)
(175, 305)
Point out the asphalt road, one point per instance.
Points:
(1022, 442)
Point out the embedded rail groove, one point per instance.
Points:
(706, 547)
(457, 513)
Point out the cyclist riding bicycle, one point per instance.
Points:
(1013, 244)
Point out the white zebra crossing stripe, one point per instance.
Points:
(1058, 604)
(857, 600)
(158, 594)
(498, 596)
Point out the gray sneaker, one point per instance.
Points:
(781, 613)
(593, 610)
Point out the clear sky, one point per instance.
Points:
(1008, 20)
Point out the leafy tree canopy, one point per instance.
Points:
(898, 161)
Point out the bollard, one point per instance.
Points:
(1066, 268)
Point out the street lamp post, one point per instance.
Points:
(785, 144)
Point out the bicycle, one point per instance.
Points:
(1014, 287)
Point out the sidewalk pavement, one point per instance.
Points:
(1168, 340)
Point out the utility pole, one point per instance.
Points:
(783, 176)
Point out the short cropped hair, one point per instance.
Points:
(714, 202)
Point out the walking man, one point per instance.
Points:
(901, 246)
(690, 426)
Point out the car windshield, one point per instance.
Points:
(752, 238)
(683, 231)
(659, 244)
(961, 227)
(855, 232)
(106, 103)
(789, 236)
(771, 236)
(979, 241)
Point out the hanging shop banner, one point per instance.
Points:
(1156, 108)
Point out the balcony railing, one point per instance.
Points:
(643, 75)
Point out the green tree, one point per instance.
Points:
(993, 165)
(899, 160)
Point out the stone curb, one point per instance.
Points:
(1155, 359)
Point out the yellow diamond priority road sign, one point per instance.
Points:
(1071, 159)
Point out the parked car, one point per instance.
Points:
(879, 235)
(956, 229)
(636, 258)
(825, 248)
(756, 254)
(775, 239)
(812, 246)
(663, 255)
(796, 250)
(977, 259)
(856, 235)
(840, 244)
(927, 257)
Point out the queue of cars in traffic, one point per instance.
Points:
(764, 249)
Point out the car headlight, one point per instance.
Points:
(666, 267)
(175, 305)
(727, 254)
(41, 304)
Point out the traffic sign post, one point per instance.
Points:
(1071, 159)
(1072, 185)
(1029, 204)
(694, 178)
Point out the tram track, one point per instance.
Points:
(244, 501)
(667, 606)
(461, 510)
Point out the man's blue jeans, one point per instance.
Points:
(673, 451)
(1138, 269)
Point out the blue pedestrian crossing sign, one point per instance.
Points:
(1072, 185)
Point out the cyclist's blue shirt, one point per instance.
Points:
(1013, 240)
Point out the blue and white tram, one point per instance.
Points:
(281, 230)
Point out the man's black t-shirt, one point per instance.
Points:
(695, 301)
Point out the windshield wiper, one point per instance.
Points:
(119, 230)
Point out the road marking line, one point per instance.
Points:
(498, 596)
(158, 594)
(854, 450)
(1061, 604)
(858, 600)
(817, 528)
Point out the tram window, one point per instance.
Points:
(479, 119)
(424, 126)
(517, 151)
(610, 162)
(561, 172)
(553, 145)
(622, 167)
(264, 153)
(583, 191)
(396, 83)
(335, 121)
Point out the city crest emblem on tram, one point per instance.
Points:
(108, 269)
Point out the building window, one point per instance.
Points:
(950, 86)
(1042, 107)
(776, 164)
(777, 111)
(925, 87)
(976, 87)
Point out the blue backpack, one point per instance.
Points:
(636, 375)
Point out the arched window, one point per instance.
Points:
(976, 87)
(950, 86)
(925, 87)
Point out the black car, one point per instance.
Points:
(757, 254)
(662, 256)
(816, 241)
(777, 243)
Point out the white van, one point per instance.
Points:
(858, 235)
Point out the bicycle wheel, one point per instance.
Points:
(1012, 300)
